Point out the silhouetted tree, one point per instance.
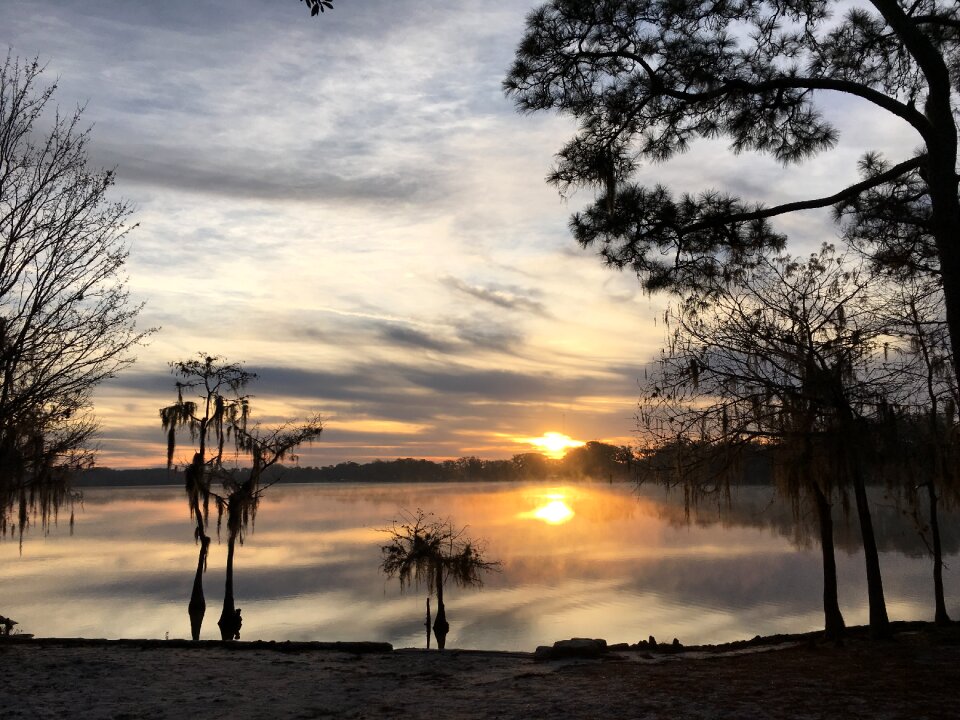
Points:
(786, 358)
(66, 320)
(533, 465)
(890, 224)
(646, 77)
(318, 6)
(923, 445)
(222, 416)
(210, 406)
(243, 490)
(423, 549)
(597, 460)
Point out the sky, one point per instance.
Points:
(349, 205)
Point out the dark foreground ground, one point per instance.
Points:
(915, 675)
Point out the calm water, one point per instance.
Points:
(593, 560)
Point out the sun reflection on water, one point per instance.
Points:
(555, 512)
(552, 509)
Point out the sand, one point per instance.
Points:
(915, 675)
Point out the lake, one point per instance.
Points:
(584, 559)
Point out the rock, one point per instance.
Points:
(572, 648)
(543, 652)
(673, 647)
(652, 644)
(618, 647)
(579, 647)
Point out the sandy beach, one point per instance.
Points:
(915, 675)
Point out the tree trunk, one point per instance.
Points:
(427, 623)
(949, 257)
(230, 617)
(940, 174)
(834, 627)
(940, 168)
(440, 626)
(879, 623)
(194, 473)
(198, 605)
(940, 616)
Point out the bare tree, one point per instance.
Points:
(66, 319)
(424, 549)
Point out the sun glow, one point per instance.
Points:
(553, 444)
(550, 508)
(555, 512)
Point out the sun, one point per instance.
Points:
(553, 444)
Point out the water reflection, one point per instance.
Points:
(620, 566)
(555, 512)
(551, 507)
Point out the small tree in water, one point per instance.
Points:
(424, 549)
(210, 404)
(242, 492)
(212, 407)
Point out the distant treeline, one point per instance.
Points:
(594, 460)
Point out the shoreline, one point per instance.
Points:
(361, 647)
(912, 675)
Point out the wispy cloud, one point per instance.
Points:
(502, 296)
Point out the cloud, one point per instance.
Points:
(503, 385)
(161, 167)
(387, 383)
(502, 296)
(413, 338)
(257, 102)
(490, 336)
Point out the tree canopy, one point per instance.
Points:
(645, 78)
(318, 6)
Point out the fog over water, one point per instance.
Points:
(585, 559)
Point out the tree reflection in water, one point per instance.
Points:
(625, 566)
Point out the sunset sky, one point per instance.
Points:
(351, 206)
